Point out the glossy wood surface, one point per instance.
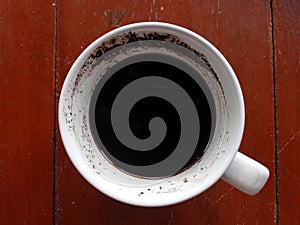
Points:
(39, 41)
(287, 76)
(27, 112)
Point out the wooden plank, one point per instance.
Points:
(242, 31)
(287, 68)
(27, 115)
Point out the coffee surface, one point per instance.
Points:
(151, 113)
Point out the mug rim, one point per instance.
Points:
(88, 175)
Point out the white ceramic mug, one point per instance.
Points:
(180, 48)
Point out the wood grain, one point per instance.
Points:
(287, 69)
(242, 31)
(27, 115)
(259, 38)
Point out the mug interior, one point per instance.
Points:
(185, 49)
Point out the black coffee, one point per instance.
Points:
(147, 108)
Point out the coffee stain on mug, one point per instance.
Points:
(99, 52)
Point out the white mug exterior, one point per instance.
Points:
(246, 174)
(219, 161)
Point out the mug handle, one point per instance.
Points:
(246, 174)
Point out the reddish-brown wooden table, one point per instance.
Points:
(39, 40)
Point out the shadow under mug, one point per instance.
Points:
(190, 112)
